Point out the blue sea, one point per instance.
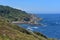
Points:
(51, 27)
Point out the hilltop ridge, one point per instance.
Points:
(12, 14)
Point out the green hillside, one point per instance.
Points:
(12, 14)
(9, 31)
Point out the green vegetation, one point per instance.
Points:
(13, 32)
(9, 31)
(12, 14)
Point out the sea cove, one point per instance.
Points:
(51, 27)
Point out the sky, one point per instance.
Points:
(34, 6)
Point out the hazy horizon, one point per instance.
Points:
(34, 6)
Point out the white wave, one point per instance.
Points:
(29, 28)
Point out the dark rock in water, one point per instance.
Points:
(26, 19)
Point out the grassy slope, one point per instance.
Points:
(10, 31)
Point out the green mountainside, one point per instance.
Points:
(12, 14)
(9, 31)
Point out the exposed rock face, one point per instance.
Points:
(32, 19)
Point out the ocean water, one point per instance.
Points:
(52, 22)
(51, 27)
